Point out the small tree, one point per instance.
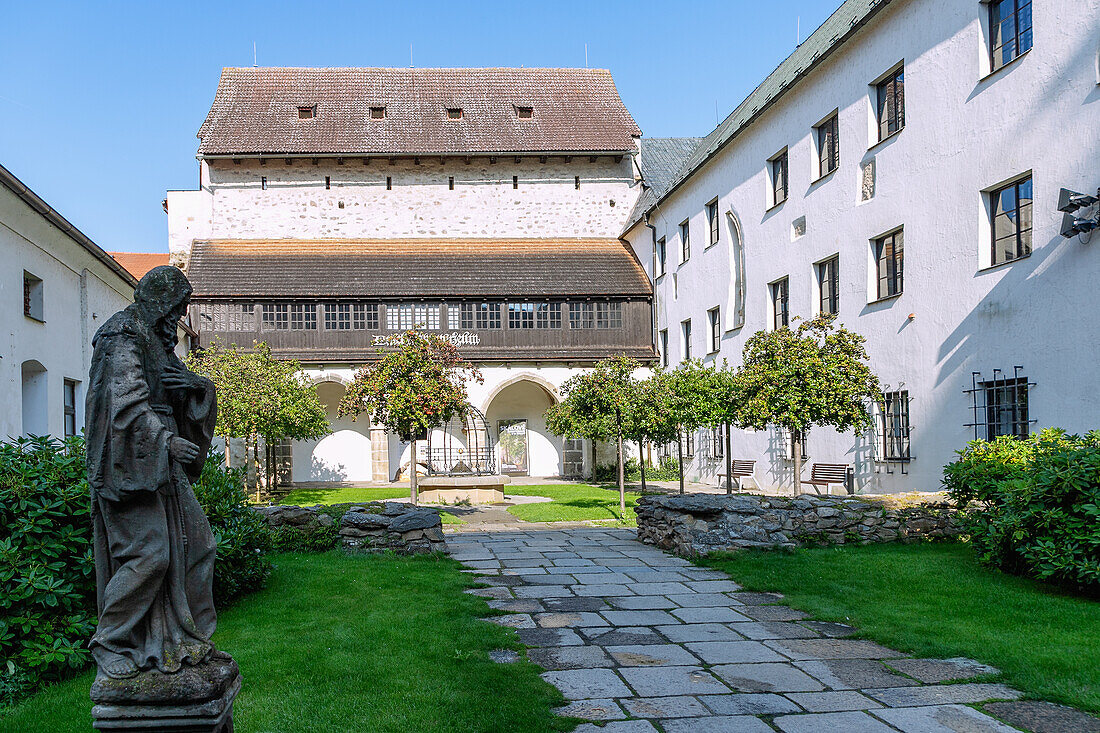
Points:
(416, 387)
(597, 406)
(727, 403)
(260, 397)
(693, 403)
(651, 416)
(816, 374)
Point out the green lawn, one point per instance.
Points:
(571, 503)
(340, 643)
(934, 600)
(343, 495)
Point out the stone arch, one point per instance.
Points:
(344, 455)
(316, 379)
(35, 398)
(551, 390)
(523, 399)
(735, 303)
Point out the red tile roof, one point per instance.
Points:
(416, 268)
(255, 111)
(139, 263)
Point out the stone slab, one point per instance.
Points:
(766, 677)
(853, 674)
(650, 655)
(761, 630)
(707, 615)
(733, 652)
(618, 726)
(574, 604)
(659, 589)
(674, 706)
(549, 637)
(750, 598)
(831, 628)
(696, 600)
(542, 591)
(570, 657)
(1043, 717)
(605, 578)
(966, 692)
(641, 603)
(659, 681)
(749, 703)
(713, 586)
(209, 716)
(637, 618)
(603, 591)
(622, 635)
(803, 649)
(831, 723)
(942, 719)
(717, 724)
(592, 710)
(560, 619)
(834, 701)
(587, 684)
(773, 613)
(681, 633)
(513, 620)
(942, 670)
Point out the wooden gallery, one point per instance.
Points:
(338, 208)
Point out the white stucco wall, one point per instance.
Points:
(965, 133)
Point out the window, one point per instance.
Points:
(32, 297)
(685, 331)
(712, 223)
(406, 316)
(1006, 408)
(595, 315)
(662, 256)
(389, 183)
(778, 166)
(479, 315)
(890, 103)
(780, 303)
(303, 317)
(1011, 209)
(828, 145)
(685, 241)
(263, 183)
(241, 317)
(275, 316)
(687, 440)
(378, 113)
(889, 263)
(577, 182)
(521, 315)
(525, 113)
(717, 443)
(70, 408)
(609, 315)
(1009, 30)
(895, 425)
(351, 316)
(547, 315)
(454, 113)
(515, 181)
(328, 182)
(307, 113)
(828, 280)
(714, 334)
(664, 347)
(451, 183)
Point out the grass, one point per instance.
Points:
(343, 495)
(338, 643)
(572, 503)
(934, 600)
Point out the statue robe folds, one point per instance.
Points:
(154, 551)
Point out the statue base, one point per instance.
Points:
(197, 699)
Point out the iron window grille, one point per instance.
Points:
(275, 316)
(406, 316)
(893, 428)
(828, 280)
(303, 317)
(890, 93)
(661, 256)
(1011, 226)
(70, 407)
(712, 222)
(1000, 405)
(1010, 32)
(780, 303)
(714, 322)
(889, 263)
(779, 178)
(828, 145)
(685, 327)
(685, 241)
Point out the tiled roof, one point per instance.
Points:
(830, 35)
(139, 263)
(660, 158)
(415, 268)
(255, 111)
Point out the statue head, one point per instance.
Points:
(162, 296)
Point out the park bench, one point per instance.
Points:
(739, 470)
(826, 474)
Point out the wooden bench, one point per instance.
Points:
(826, 474)
(739, 470)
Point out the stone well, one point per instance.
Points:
(456, 489)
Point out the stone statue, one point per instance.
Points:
(150, 423)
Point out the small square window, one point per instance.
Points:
(32, 297)
(378, 113)
(307, 113)
(454, 113)
(525, 113)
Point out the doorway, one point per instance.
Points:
(512, 445)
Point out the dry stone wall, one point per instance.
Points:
(375, 526)
(697, 524)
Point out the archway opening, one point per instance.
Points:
(516, 417)
(342, 456)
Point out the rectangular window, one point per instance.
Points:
(351, 316)
(1010, 31)
(275, 316)
(328, 182)
(70, 408)
(241, 317)
(451, 183)
(712, 222)
(662, 256)
(895, 425)
(685, 241)
(525, 113)
(389, 183)
(480, 315)
(263, 183)
(32, 297)
(889, 262)
(577, 182)
(828, 145)
(406, 316)
(688, 442)
(609, 315)
(685, 331)
(547, 315)
(307, 113)
(377, 113)
(778, 166)
(717, 443)
(890, 99)
(714, 334)
(780, 303)
(664, 347)
(1006, 408)
(1011, 209)
(454, 113)
(582, 315)
(828, 280)
(521, 315)
(303, 317)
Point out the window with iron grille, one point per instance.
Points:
(1011, 209)
(717, 443)
(778, 166)
(687, 440)
(303, 317)
(894, 425)
(521, 315)
(664, 347)
(712, 222)
(1001, 404)
(890, 97)
(714, 333)
(1010, 32)
(405, 316)
(547, 315)
(780, 303)
(661, 256)
(70, 407)
(483, 316)
(685, 241)
(828, 145)
(685, 331)
(889, 263)
(275, 316)
(828, 280)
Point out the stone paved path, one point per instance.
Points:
(647, 641)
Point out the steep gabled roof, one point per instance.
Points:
(139, 263)
(256, 111)
(660, 158)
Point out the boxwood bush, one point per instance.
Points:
(1032, 506)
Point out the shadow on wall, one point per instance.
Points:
(320, 470)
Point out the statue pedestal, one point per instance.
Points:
(196, 699)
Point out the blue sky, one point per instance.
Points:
(101, 101)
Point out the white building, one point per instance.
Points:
(56, 288)
(338, 207)
(899, 126)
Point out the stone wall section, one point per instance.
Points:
(698, 524)
(373, 527)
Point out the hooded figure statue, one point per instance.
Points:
(150, 422)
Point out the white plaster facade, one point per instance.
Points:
(966, 132)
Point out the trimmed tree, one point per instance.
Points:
(816, 374)
(651, 417)
(728, 399)
(260, 398)
(693, 402)
(419, 385)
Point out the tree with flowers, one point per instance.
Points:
(418, 385)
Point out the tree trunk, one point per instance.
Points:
(622, 487)
(796, 448)
(729, 464)
(680, 457)
(412, 473)
(228, 461)
(641, 462)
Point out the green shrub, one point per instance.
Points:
(668, 470)
(1032, 507)
(300, 539)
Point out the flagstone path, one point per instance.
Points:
(647, 641)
